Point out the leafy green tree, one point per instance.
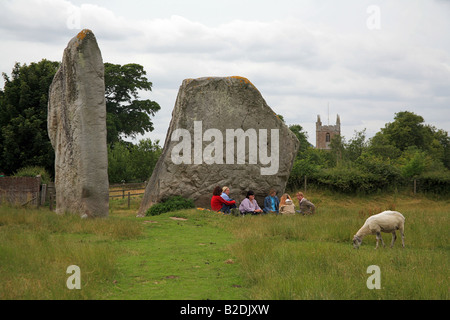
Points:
(415, 162)
(132, 163)
(440, 146)
(144, 157)
(127, 115)
(385, 171)
(23, 117)
(356, 146)
(302, 136)
(408, 130)
(381, 146)
(337, 146)
(119, 169)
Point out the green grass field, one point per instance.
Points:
(198, 255)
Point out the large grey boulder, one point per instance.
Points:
(77, 129)
(222, 133)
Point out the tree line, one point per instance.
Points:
(404, 150)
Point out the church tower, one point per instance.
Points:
(324, 134)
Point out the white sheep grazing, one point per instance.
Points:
(386, 221)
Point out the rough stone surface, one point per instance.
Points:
(225, 103)
(77, 129)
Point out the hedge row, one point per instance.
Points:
(357, 180)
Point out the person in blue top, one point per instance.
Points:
(226, 196)
(271, 203)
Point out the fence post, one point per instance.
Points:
(43, 194)
(51, 201)
(129, 193)
(415, 186)
(38, 201)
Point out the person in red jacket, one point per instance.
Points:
(220, 204)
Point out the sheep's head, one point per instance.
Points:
(356, 242)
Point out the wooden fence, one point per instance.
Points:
(131, 189)
(126, 190)
(20, 190)
(29, 191)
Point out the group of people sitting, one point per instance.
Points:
(222, 202)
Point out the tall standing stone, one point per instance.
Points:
(77, 129)
(222, 133)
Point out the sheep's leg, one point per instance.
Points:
(376, 247)
(403, 237)
(394, 237)
(378, 239)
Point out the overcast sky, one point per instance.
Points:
(363, 60)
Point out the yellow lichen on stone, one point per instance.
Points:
(83, 34)
(242, 80)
